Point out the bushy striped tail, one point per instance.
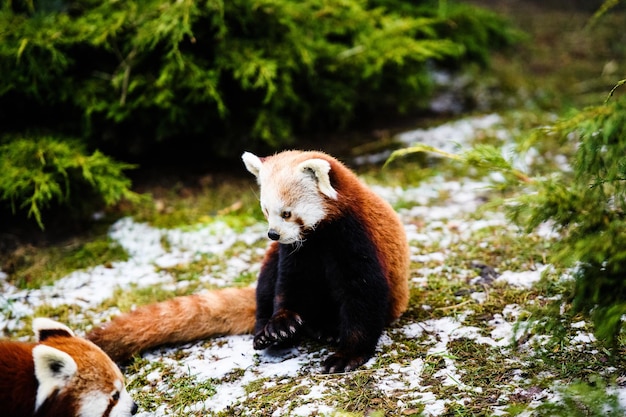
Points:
(179, 320)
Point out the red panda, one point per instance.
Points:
(337, 271)
(60, 375)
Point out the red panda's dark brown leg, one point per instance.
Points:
(274, 324)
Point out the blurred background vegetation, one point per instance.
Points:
(87, 84)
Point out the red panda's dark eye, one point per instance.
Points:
(116, 396)
(285, 214)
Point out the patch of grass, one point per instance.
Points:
(62, 313)
(126, 299)
(266, 395)
(230, 200)
(187, 392)
(369, 414)
(182, 393)
(192, 271)
(32, 267)
(72, 315)
(485, 368)
(500, 248)
(143, 381)
(360, 393)
(406, 172)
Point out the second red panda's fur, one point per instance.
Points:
(60, 375)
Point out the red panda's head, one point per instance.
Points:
(295, 190)
(75, 377)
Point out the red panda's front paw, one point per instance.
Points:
(261, 341)
(283, 326)
(338, 363)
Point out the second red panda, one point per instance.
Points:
(60, 375)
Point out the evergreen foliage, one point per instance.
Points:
(232, 74)
(37, 173)
(587, 208)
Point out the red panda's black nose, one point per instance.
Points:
(134, 408)
(273, 234)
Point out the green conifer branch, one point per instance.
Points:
(482, 156)
(618, 85)
(42, 171)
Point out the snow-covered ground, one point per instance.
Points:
(441, 223)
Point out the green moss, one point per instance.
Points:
(229, 200)
(126, 299)
(35, 267)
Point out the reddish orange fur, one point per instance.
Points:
(181, 319)
(18, 385)
(389, 236)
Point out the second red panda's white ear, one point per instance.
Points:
(53, 369)
(45, 328)
(253, 163)
(319, 169)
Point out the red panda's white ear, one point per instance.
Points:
(53, 370)
(253, 163)
(319, 169)
(44, 328)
